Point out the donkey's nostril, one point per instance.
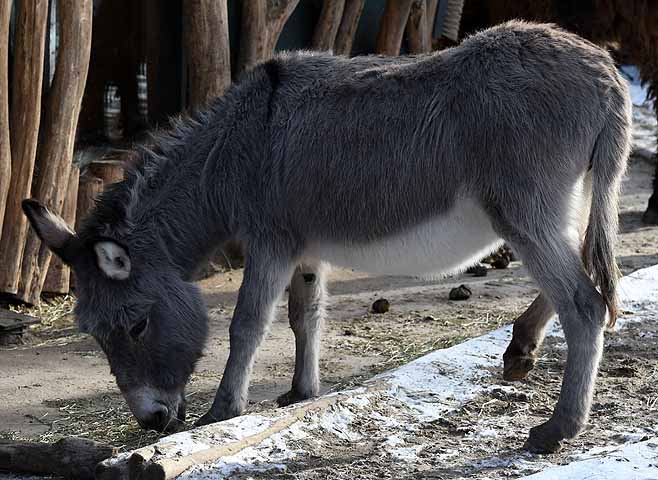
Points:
(158, 419)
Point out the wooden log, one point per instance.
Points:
(391, 29)
(108, 170)
(262, 23)
(88, 190)
(61, 120)
(432, 7)
(419, 37)
(58, 276)
(25, 114)
(348, 26)
(207, 49)
(5, 149)
(326, 29)
(74, 458)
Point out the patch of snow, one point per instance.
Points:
(635, 461)
(337, 421)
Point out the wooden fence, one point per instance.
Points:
(39, 131)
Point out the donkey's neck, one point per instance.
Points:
(169, 212)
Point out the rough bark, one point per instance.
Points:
(90, 187)
(109, 171)
(25, 114)
(61, 120)
(326, 29)
(432, 7)
(74, 458)
(207, 49)
(5, 149)
(348, 26)
(391, 29)
(419, 37)
(262, 23)
(58, 276)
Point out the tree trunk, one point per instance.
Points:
(25, 115)
(348, 26)
(207, 49)
(5, 149)
(419, 37)
(391, 29)
(326, 29)
(61, 119)
(58, 276)
(262, 23)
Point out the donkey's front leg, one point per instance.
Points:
(265, 278)
(306, 314)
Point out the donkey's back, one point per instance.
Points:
(396, 166)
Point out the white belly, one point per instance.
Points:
(440, 246)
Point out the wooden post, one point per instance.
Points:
(25, 113)
(5, 149)
(419, 36)
(58, 276)
(61, 120)
(88, 190)
(391, 30)
(262, 23)
(207, 49)
(348, 25)
(326, 29)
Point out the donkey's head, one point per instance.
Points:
(150, 323)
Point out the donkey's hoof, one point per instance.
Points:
(650, 217)
(517, 367)
(214, 417)
(291, 397)
(544, 438)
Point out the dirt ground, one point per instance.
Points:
(58, 383)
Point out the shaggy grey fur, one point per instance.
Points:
(310, 150)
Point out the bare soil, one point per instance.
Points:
(58, 383)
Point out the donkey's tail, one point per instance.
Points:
(608, 163)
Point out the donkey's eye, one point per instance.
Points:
(139, 328)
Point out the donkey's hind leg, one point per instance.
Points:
(528, 335)
(306, 314)
(553, 261)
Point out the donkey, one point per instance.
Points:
(384, 165)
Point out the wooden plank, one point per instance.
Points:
(11, 321)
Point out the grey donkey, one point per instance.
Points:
(417, 166)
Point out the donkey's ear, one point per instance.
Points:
(52, 230)
(113, 259)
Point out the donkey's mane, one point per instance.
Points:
(145, 169)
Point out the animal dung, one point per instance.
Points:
(381, 306)
(461, 292)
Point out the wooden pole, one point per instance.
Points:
(58, 276)
(418, 35)
(262, 23)
(207, 49)
(74, 458)
(61, 120)
(326, 29)
(348, 26)
(25, 114)
(391, 29)
(90, 187)
(5, 149)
